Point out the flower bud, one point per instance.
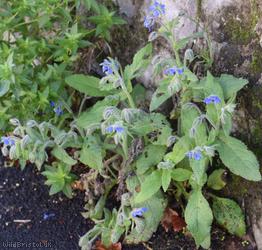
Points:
(31, 123)
(189, 55)
(15, 122)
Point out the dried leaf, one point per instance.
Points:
(78, 185)
(172, 219)
(100, 246)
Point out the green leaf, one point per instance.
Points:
(155, 126)
(180, 149)
(92, 4)
(150, 157)
(149, 187)
(215, 180)
(4, 87)
(235, 155)
(94, 115)
(92, 156)
(190, 75)
(227, 126)
(140, 62)
(156, 205)
(231, 85)
(56, 187)
(160, 96)
(166, 179)
(212, 87)
(88, 85)
(198, 216)
(199, 170)
(67, 190)
(180, 174)
(151, 219)
(139, 94)
(189, 116)
(62, 155)
(229, 215)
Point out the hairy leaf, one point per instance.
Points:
(180, 174)
(235, 155)
(215, 180)
(180, 149)
(140, 62)
(160, 96)
(62, 155)
(198, 216)
(150, 157)
(94, 115)
(88, 85)
(149, 186)
(191, 124)
(229, 215)
(156, 206)
(166, 179)
(231, 85)
(92, 156)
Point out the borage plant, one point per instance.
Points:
(135, 151)
(203, 118)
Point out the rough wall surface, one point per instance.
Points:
(235, 28)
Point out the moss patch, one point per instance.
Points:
(239, 24)
(256, 63)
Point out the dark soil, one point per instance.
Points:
(23, 196)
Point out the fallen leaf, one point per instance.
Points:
(172, 219)
(100, 246)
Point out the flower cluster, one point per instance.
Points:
(194, 154)
(212, 99)
(156, 10)
(139, 212)
(57, 108)
(8, 141)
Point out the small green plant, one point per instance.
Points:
(39, 44)
(59, 178)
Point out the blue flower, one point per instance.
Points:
(194, 154)
(212, 99)
(174, 70)
(197, 155)
(149, 22)
(8, 141)
(157, 9)
(47, 215)
(52, 104)
(139, 212)
(170, 71)
(58, 110)
(110, 129)
(180, 71)
(119, 129)
(115, 128)
(107, 67)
